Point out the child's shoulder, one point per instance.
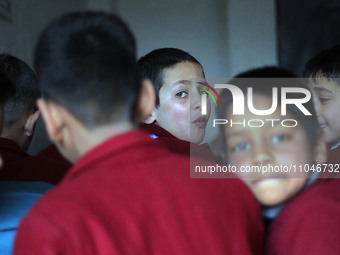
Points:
(310, 222)
(334, 155)
(315, 201)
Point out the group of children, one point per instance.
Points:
(128, 127)
(127, 193)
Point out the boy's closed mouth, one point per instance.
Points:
(200, 122)
(323, 125)
(267, 179)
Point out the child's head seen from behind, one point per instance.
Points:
(20, 112)
(97, 86)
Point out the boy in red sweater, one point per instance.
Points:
(126, 193)
(176, 120)
(323, 74)
(20, 115)
(305, 211)
(6, 91)
(178, 79)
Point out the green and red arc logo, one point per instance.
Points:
(210, 94)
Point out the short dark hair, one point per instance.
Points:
(26, 90)
(265, 78)
(86, 62)
(326, 63)
(6, 88)
(152, 65)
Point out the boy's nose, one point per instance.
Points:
(262, 156)
(317, 107)
(195, 100)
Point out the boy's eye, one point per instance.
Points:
(323, 100)
(280, 138)
(241, 147)
(202, 92)
(182, 94)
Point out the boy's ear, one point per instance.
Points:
(53, 119)
(30, 123)
(146, 101)
(151, 118)
(320, 151)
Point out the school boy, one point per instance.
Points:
(305, 210)
(323, 74)
(178, 79)
(6, 90)
(126, 194)
(19, 118)
(17, 194)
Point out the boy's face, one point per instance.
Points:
(179, 111)
(267, 145)
(326, 98)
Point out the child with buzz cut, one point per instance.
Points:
(20, 115)
(126, 193)
(304, 210)
(6, 91)
(23, 178)
(178, 79)
(323, 78)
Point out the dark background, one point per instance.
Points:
(306, 27)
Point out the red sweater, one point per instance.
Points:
(178, 145)
(20, 166)
(131, 195)
(193, 150)
(334, 160)
(310, 223)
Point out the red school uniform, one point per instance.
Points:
(131, 195)
(20, 166)
(310, 223)
(334, 155)
(333, 160)
(177, 145)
